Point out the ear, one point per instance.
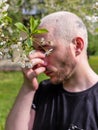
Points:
(79, 45)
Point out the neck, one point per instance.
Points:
(83, 78)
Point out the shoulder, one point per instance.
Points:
(45, 83)
(46, 86)
(45, 92)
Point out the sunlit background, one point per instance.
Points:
(12, 11)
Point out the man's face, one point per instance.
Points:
(60, 63)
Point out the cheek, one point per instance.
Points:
(67, 62)
(62, 59)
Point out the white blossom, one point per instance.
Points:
(92, 19)
(2, 43)
(6, 50)
(10, 30)
(20, 38)
(1, 53)
(5, 8)
(96, 4)
(2, 25)
(19, 43)
(2, 35)
(3, 1)
(21, 64)
(14, 46)
(88, 18)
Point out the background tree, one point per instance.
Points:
(21, 10)
(86, 9)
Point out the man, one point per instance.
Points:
(69, 99)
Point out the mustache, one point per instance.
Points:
(48, 69)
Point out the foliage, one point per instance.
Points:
(25, 45)
(27, 42)
(87, 9)
(93, 44)
(93, 60)
(4, 24)
(18, 48)
(11, 44)
(10, 83)
(8, 33)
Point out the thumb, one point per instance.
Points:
(35, 83)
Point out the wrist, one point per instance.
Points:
(28, 86)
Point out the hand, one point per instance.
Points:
(38, 66)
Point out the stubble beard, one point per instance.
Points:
(63, 75)
(58, 78)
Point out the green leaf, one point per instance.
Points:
(96, 30)
(31, 24)
(19, 2)
(8, 19)
(29, 42)
(21, 27)
(34, 23)
(40, 31)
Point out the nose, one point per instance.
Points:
(45, 61)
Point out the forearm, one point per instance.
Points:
(19, 116)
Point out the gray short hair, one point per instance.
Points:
(66, 26)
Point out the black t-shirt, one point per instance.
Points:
(58, 109)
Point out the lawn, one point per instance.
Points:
(9, 86)
(10, 83)
(93, 60)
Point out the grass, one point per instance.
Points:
(93, 60)
(10, 83)
(9, 86)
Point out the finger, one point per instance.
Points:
(30, 73)
(36, 61)
(31, 80)
(35, 83)
(27, 71)
(31, 76)
(34, 73)
(36, 54)
(39, 70)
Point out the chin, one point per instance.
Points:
(59, 78)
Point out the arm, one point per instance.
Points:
(21, 116)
